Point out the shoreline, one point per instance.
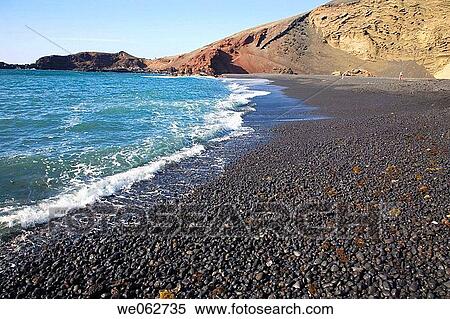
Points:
(39, 212)
(353, 206)
(175, 179)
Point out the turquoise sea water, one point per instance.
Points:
(68, 138)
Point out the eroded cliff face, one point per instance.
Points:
(402, 30)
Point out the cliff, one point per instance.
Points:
(406, 30)
(381, 37)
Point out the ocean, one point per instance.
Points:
(68, 138)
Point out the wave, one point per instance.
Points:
(227, 117)
(232, 109)
(59, 206)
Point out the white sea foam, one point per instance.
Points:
(228, 116)
(60, 205)
(241, 132)
(230, 111)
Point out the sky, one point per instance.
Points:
(144, 28)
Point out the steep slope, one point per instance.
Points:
(244, 52)
(383, 37)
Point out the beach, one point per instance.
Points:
(351, 202)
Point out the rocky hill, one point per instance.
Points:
(363, 37)
(383, 37)
(93, 61)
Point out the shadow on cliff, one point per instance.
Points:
(222, 63)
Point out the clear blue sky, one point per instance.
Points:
(151, 28)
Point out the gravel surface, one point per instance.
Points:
(354, 206)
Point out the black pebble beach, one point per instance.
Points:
(355, 205)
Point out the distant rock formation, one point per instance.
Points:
(86, 61)
(7, 66)
(93, 61)
(380, 37)
(4, 65)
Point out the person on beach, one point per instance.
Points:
(401, 76)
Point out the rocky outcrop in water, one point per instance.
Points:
(93, 61)
(7, 66)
